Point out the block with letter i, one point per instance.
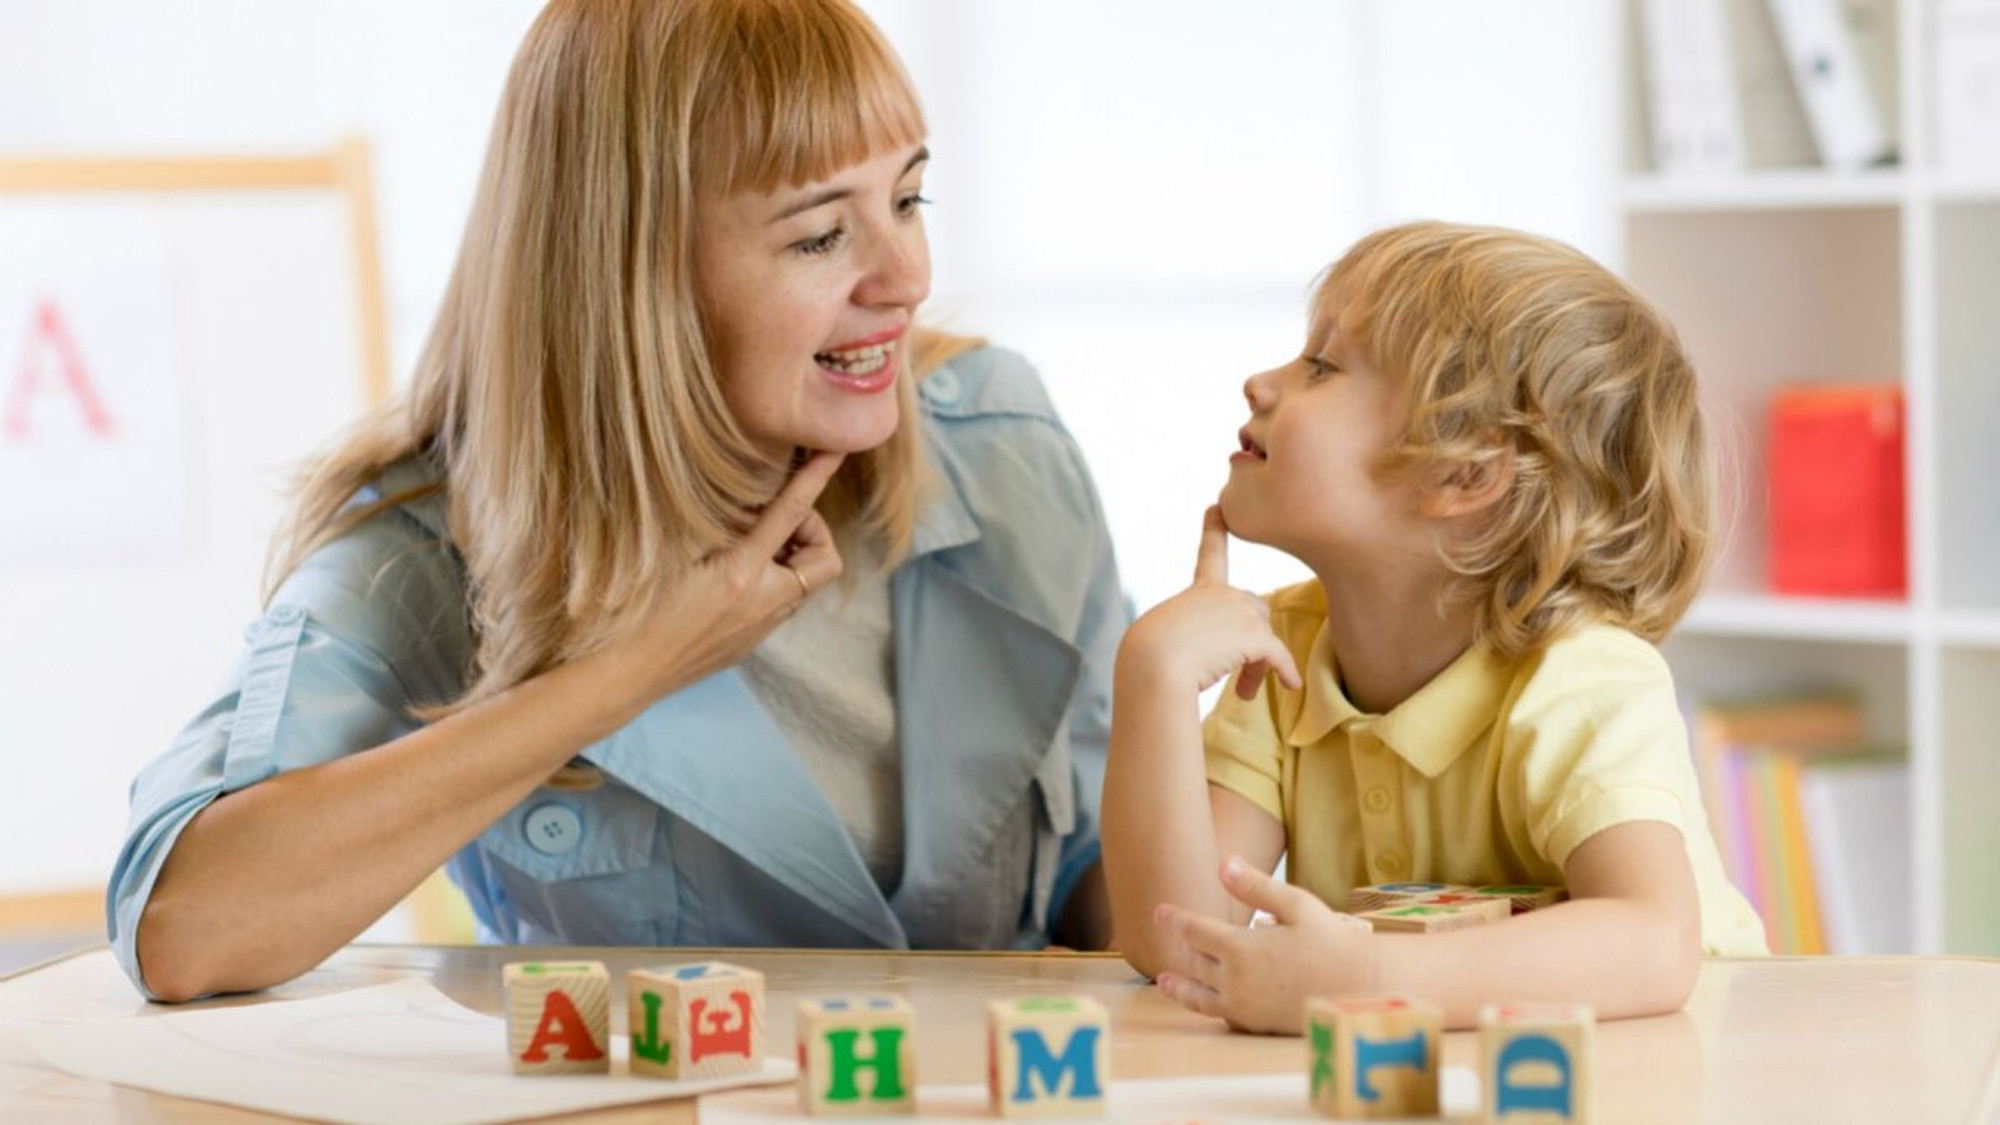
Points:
(1048, 1056)
(1374, 1057)
(701, 1020)
(558, 1017)
(1534, 1061)
(856, 1056)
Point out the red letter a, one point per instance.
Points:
(49, 329)
(563, 1026)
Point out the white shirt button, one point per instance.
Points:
(552, 829)
(1391, 864)
(1377, 800)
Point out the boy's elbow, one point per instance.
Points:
(1676, 967)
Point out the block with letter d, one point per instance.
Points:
(1374, 1057)
(558, 1017)
(700, 1020)
(1048, 1056)
(856, 1056)
(1534, 1061)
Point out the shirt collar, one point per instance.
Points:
(1430, 729)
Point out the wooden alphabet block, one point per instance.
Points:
(1048, 1056)
(1425, 918)
(1486, 906)
(698, 1020)
(1360, 900)
(1522, 897)
(856, 1056)
(558, 1017)
(1535, 1062)
(1374, 1057)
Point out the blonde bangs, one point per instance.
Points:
(809, 88)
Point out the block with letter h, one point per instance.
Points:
(1374, 1057)
(1534, 1062)
(558, 1017)
(856, 1056)
(1048, 1056)
(700, 1020)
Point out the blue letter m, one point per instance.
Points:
(1079, 1058)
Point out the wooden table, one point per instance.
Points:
(1780, 1040)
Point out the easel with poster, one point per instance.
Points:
(176, 336)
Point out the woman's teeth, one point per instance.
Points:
(858, 361)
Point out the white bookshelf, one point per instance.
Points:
(1891, 274)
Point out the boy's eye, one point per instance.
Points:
(907, 205)
(1320, 368)
(822, 243)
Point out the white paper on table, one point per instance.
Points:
(395, 1054)
(1183, 1101)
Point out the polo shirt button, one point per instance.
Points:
(552, 829)
(1377, 800)
(1391, 863)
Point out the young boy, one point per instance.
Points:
(1491, 458)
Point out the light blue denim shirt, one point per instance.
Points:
(709, 831)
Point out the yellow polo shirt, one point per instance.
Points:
(1491, 773)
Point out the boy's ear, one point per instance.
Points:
(1470, 486)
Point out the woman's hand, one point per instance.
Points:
(1258, 978)
(724, 607)
(1211, 629)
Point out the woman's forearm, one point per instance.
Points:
(268, 881)
(1159, 840)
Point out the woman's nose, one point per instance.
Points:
(900, 273)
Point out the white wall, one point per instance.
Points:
(1136, 193)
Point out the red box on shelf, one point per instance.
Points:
(1837, 495)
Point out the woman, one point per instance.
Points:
(691, 595)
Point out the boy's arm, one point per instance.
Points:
(1161, 826)
(1628, 942)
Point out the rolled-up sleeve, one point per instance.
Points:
(316, 681)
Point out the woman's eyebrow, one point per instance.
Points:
(836, 194)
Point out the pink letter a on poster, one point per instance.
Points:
(51, 334)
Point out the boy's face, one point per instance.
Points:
(1303, 481)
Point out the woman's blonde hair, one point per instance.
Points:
(1510, 343)
(567, 389)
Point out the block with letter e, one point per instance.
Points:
(1048, 1056)
(558, 1017)
(1534, 1061)
(856, 1056)
(701, 1020)
(1373, 1057)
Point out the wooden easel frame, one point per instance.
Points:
(347, 169)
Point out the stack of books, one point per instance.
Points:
(1813, 823)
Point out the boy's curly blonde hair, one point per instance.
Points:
(1510, 342)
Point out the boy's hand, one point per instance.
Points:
(1258, 978)
(1211, 629)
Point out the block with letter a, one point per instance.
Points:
(856, 1056)
(1534, 1061)
(559, 1017)
(1048, 1056)
(700, 1020)
(1374, 1056)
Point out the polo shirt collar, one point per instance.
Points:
(1430, 729)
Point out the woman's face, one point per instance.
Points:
(807, 294)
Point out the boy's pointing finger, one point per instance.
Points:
(1212, 564)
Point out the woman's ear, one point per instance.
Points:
(1472, 485)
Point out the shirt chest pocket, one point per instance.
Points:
(583, 862)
